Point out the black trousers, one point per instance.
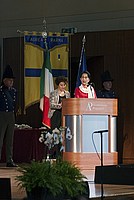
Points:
(7, 121)
(56, 123)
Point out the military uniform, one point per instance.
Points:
(106, 94)
(7, 119)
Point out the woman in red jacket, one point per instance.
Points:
(85, 90)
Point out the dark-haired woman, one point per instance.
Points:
(85, 90)
(56, 101)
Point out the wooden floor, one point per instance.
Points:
(110, 192)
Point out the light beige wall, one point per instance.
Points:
(86, 15)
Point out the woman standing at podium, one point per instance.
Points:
(56, 101)
(85, 90)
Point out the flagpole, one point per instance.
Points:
(82, 62)
(84, 40)
(44, 33)
(83, 46)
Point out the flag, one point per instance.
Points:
(82, 64)
(58, 43)
(33, 62)
(46, 86)
(34, 46)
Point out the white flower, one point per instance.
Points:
(41, 139)
(69, 137)
(55, 137)
(56, 131)
(68, 134)
(49, 136)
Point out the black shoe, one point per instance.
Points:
(11, 164)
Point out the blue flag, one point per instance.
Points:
(82, 66)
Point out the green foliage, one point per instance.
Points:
(72, 179)
(58, 178)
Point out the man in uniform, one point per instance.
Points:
(106, 91)
(7, 117)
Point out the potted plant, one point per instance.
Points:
(52, 181)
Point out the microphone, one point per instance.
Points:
(92, 84)
(101, 131)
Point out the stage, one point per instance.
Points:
(27, 148)
(111, 192)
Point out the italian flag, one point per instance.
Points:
(46, 86)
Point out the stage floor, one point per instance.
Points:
(110, 192)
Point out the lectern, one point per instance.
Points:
(83, 116)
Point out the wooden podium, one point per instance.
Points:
(83, 117)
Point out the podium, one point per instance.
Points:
(82, 117)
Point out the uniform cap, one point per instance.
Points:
(8, 73)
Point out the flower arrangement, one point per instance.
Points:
(54, 137)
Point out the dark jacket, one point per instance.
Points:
(7, 99)
(106, 94)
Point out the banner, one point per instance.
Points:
(34, 47)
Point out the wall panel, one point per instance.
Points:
(112, 50)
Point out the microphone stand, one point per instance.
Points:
(101, 134)
(102, 191)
